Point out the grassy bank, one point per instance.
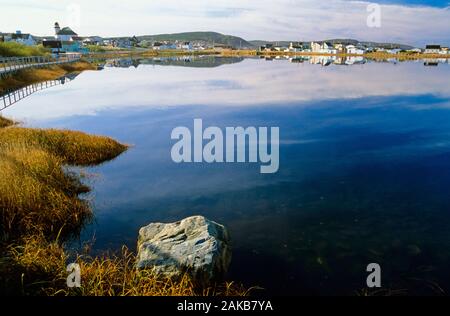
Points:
(41, 209)
(13, 49)
(26, 77)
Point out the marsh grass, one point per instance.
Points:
(38, 267)
(40, 209)
(36, 194)
(73, 148)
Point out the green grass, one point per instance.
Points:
(13, 49)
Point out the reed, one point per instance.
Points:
(40, 209)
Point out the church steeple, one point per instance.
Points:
(57, 28)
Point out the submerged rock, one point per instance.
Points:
(194, 245)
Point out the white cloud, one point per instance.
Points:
(251, 19)
(250, 83)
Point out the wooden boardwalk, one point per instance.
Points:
(12, 64)
(14, 96)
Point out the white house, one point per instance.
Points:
(394, 51)
(186, 46)
(295, 47)
(65, 34)
(432, 49)
(323, 48)
(444, 51)
(353, 50)
(415, 50)
(19, 37)
(315, 47)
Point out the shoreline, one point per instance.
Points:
(25, 77)
(255, 53)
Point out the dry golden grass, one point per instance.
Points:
(40, 208)
(38, 267)
(74, 148)
(36, 194)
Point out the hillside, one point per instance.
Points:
(210, 37)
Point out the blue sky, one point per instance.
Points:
(432, 3)
(414, 22)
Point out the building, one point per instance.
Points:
(296, 47)
(432, 49)
(444, 51)
(64, 34)
(394, 51)
(69, 41)
(415, 50)
(93, 40)
(163, 46)
(21, 38)
(315, 47)
(323, 48)
(186, 46)
(353, 50)
(267, 48)
(340, 48)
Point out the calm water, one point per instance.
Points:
(364, 164)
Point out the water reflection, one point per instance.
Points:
(181, 61)
(364, 165)
(11, 97)
(233, 82)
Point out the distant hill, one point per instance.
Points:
(211, 37)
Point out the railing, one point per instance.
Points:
(12, 97)
(12, 64)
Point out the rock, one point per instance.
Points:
(194, 245)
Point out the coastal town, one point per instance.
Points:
(67, 40)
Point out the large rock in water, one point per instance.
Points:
(194, 245)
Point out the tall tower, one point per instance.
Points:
(57, 29)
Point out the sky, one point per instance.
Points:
(414, 22)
